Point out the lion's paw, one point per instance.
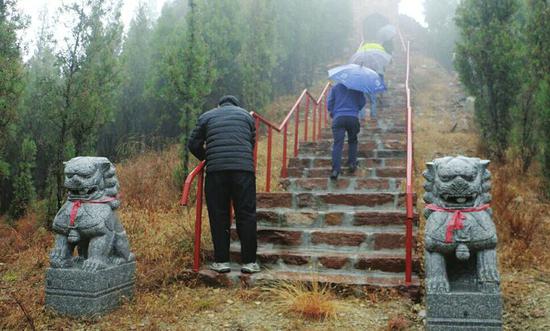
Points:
(58, 260)
(488, 274)
(437, 284)
(93, 265)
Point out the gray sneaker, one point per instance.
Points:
(250, 268)
(221, 267)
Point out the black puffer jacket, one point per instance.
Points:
(229, 133)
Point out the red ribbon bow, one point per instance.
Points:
(458, 218)
(78, 203)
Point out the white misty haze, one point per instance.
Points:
(33, 8)
(414, 9)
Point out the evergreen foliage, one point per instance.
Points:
(503, 60)
(24, 192)
(486, 60)
(537, 33)
(12, 72)
(98, 91)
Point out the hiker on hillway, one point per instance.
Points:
(225, 137)
(343, 106)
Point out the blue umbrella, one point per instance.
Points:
(356, 77)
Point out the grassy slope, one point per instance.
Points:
(160, 233)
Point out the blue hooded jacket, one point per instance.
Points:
(344, 102)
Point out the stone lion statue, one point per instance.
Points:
(460, 233)
(87, 221)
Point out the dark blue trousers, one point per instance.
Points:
(340, 126)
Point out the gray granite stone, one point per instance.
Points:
(463, 311)
(462, 279)
(75, 292)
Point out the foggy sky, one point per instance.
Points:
(33, 8)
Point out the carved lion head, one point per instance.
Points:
(457, 182)
(91, 178)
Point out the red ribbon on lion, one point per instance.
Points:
(78, 203)
(457, 222)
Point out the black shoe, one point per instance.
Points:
(352, 169)
(334, 175)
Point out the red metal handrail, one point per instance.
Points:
(409, 171)
(198, 171)
(319, 106)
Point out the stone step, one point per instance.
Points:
(332, 200)
(334, 239)
(285, 217)
(361, 152)
(355, 282)
(383, 128)
(303, 260)
(363, 183)
(326, 145)
(326, 161)
(363, 143)
(360, 173)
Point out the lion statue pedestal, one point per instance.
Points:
(462, 280)
(96, 279)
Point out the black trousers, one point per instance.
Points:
(221, 188)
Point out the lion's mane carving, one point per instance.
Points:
(87, 221)
(459, 221)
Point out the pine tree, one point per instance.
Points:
(41, 100)
(11, 85)
(24, 192)
(257, 59)
(486, 64)
(538, 38)
(11, 71)
(191, 74)
(89, 74)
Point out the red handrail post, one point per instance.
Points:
(198, 223)
(325, 109)
(314, 133)
(268, 171)
(257, 124)
(408, 190)
(296, 129)
(320, 111)
(305, 117)
(285, 140)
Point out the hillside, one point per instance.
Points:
(160, 234)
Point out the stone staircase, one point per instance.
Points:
(347, 232)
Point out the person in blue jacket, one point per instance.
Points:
(343, 106)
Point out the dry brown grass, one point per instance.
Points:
(398, 323)
(522, 219)
(312, 301)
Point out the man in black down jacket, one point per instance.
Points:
(228, 132)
